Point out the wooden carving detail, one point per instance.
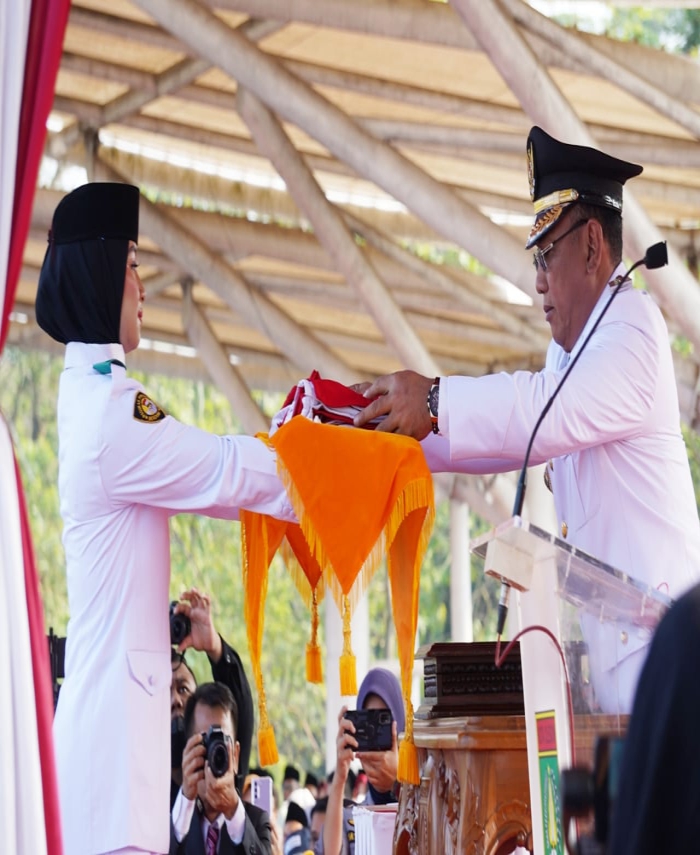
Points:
(474, 790)
(448, 795)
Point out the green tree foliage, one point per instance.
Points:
(675, 30)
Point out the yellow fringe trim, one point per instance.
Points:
(408, 753)
(408, 763)
(348, 663)
(314, 668)
(348, 675)
(416, 496)
(267, 746)
(265, 437)
(314, 671)
(300, 579)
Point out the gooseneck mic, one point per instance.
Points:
(655, 256)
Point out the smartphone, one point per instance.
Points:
(261, 793)
(372, 729)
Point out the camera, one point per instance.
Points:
(372, 729)
(215, 744)
(180, 625)
(587, 793)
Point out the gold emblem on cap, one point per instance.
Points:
(545, 222)
(559, 197)
(531, 169)
(564, 530)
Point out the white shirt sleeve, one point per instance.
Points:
(181, 468)
(494, 416)
(236, 825)
(182, 813)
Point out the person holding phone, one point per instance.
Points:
(380, 690)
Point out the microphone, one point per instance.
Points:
(656, 256)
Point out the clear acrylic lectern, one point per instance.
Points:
(602, 619)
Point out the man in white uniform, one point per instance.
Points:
(125, 467)
(618, 464)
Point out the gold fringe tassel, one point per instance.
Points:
(267, 745)
(408, 753)
(348, 666)
(314, 671)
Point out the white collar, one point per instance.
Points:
(79, 353)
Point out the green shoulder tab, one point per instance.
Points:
(146, 410)
(106, 367)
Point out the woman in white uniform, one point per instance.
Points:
(125, 466)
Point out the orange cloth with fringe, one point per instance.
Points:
(358, 496)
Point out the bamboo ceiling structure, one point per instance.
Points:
(313, 168)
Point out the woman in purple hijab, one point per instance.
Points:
(379, 690)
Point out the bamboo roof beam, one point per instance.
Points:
(677, 290)
(300, 346)
(334, 236)
(437, 23)
(469, 297)
(290, 98)
(603, 66)
(224, 375)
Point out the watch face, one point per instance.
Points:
(434, 400)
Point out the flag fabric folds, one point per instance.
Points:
(359, 496)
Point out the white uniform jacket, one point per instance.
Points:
(621, 480)
(120, 479)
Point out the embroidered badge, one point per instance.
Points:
(544, 223)
(146, 410)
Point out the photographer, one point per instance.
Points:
(208, 809)
(226, 667)
(379, 690)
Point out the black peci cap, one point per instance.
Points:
(561, 174)
(311, 780)
(296, 813)
(97, 210)
(291, 773)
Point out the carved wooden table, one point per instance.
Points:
(473, 797)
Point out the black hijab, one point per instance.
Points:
(81, 283)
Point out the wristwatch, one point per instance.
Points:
(433, 402)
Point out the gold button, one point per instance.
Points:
(564, 529)
(623, 637)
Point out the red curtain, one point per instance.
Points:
(44, 45)
(47, 25)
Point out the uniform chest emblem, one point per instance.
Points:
(146, 410)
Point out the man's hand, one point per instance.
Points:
(203, 636)
(402, 399)
(192, 766)
(382, 766)
(220, 795)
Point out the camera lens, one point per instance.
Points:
(217, 757)
(180, 626)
